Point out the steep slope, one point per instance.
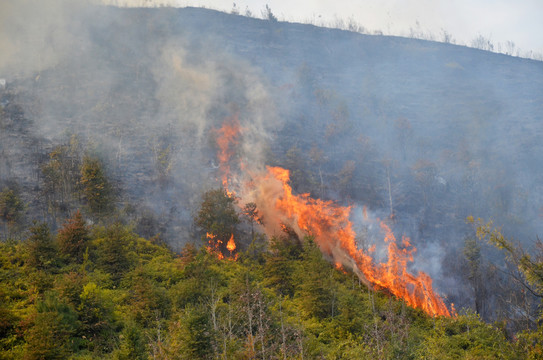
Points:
(422, 132)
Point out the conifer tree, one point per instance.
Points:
(73, 238)
(41, 248)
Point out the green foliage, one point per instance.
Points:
(42, 251)
(466, 337)
(530, 266)
(51, 334)
(315, 287)
(11, 207)
(218, 216)
(132, 346)
(97, 315)
(128, 298)
(190, 337)
(96, 187)
(73, 238)
(112, 250)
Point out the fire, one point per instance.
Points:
(231, 245)
(333, 231)
(331, 228)
(227, 139)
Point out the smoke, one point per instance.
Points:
(35, 35)
(424, 133)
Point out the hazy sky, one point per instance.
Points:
(520, 21)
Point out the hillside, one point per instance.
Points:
(121, 117)
(125, 297)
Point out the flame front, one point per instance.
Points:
(332, 230)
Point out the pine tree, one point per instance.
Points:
(96, 187)
(73, 238)
(41, 248)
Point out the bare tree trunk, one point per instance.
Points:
(283, 336)
(261, 328)
(390, 193)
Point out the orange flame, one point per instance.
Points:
(231, 245)
(332, 229)
(227, 139)
(213, 246)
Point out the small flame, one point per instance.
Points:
(231, 245)
(213, 246)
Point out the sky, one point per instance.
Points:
(519, 21)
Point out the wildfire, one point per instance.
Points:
(227, 139)
(332, 230)
(231, 245)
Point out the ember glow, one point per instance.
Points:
(330, 226)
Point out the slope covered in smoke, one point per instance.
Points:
(424, 133)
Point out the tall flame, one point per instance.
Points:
(332, 230)
(227, 139)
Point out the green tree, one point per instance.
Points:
(314, 286)
(41, 248)
(191, 337)
(529, 276)
(472, 253)
(53, 326)
(218, 216)
(98, 322)
(280, 264)
(112, 251)
(96, 187)
(11, 209)
(73, 238)
(132, 345)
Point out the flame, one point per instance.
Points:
(331, 228)
(333, 231)
(213, 246)
(231, 245)
(227, 139)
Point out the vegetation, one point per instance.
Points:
(94, 292)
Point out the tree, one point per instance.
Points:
(98, 322)
(96, 187)
(52, 327)
(253, 216)
(11, 208)
(315, 290)
(472, 253)
(268, 15)
(529, 276)
(191, 336)
(41, 248)
(217, 216)
(530, 266)
(73, 238)
(61, 177)
(112, 251)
